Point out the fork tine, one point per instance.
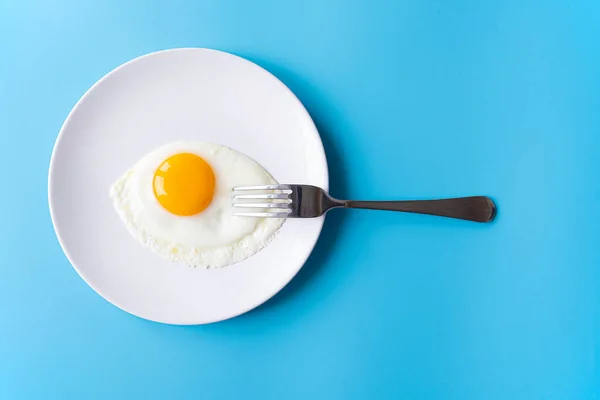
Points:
(262, 196)
(262, 205)
(264, 214)
(285, 188)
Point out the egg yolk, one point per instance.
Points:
(184, 184)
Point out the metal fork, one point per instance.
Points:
(305, 201)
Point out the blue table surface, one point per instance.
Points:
(413, 99)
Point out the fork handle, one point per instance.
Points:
(478, 208)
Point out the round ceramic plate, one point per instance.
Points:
(182, 94)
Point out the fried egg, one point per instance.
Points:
(176, 201)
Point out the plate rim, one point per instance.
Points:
(59, 139)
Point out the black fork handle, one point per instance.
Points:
(478, 208)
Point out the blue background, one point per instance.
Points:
(414, 99)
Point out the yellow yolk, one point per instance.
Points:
(184, 184)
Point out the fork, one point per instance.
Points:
(305, 201)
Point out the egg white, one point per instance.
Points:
(211, 238)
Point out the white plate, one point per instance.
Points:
(181, 94)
